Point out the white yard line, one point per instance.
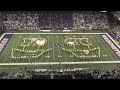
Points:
(16, 47)
(33, 46)
(48, 47)
(51, 63)
(113, 41)
(103, 47)
(2, 36)
(58, 50)
(55, 33)
(53, 47)
(71, 53)
(63, 51)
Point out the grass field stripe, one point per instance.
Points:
(88, 41)
(79, 48)
(25, 52)
(98, 45)
(92, 53)
(42, 48)
(92, 65)
(102, 47)
(71, 53)
(48, 47)
(32, 49)
(63, 51)
(9, 50)
(106, 49)
(58, 49)
(16, 46)
(53, 48)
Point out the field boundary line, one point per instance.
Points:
(2, 36)
(113, 41)
(104, 48)
(56, 63)
(55, 33)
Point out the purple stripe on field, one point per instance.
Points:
(8, 36)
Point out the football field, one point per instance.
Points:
(78, 49)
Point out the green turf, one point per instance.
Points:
(95, 39)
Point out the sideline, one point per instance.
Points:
(57, 63)
(55, 33)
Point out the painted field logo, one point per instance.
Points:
(58, 44)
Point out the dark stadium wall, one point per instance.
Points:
(113, 21)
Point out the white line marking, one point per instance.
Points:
(113, 41)
(63, 44)
(2, 36)
(55, 33)
(103, 47)
(48, 63)
(53, 47)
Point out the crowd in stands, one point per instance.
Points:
(78, 74)
(116, 14)
(54, 20)
(4, 75)
(116, 28)
(21, 21)
(36, 20)
(90, 20)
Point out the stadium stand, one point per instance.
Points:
(59, 20)
(90, 20)
(55, 20)
(96, 74)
